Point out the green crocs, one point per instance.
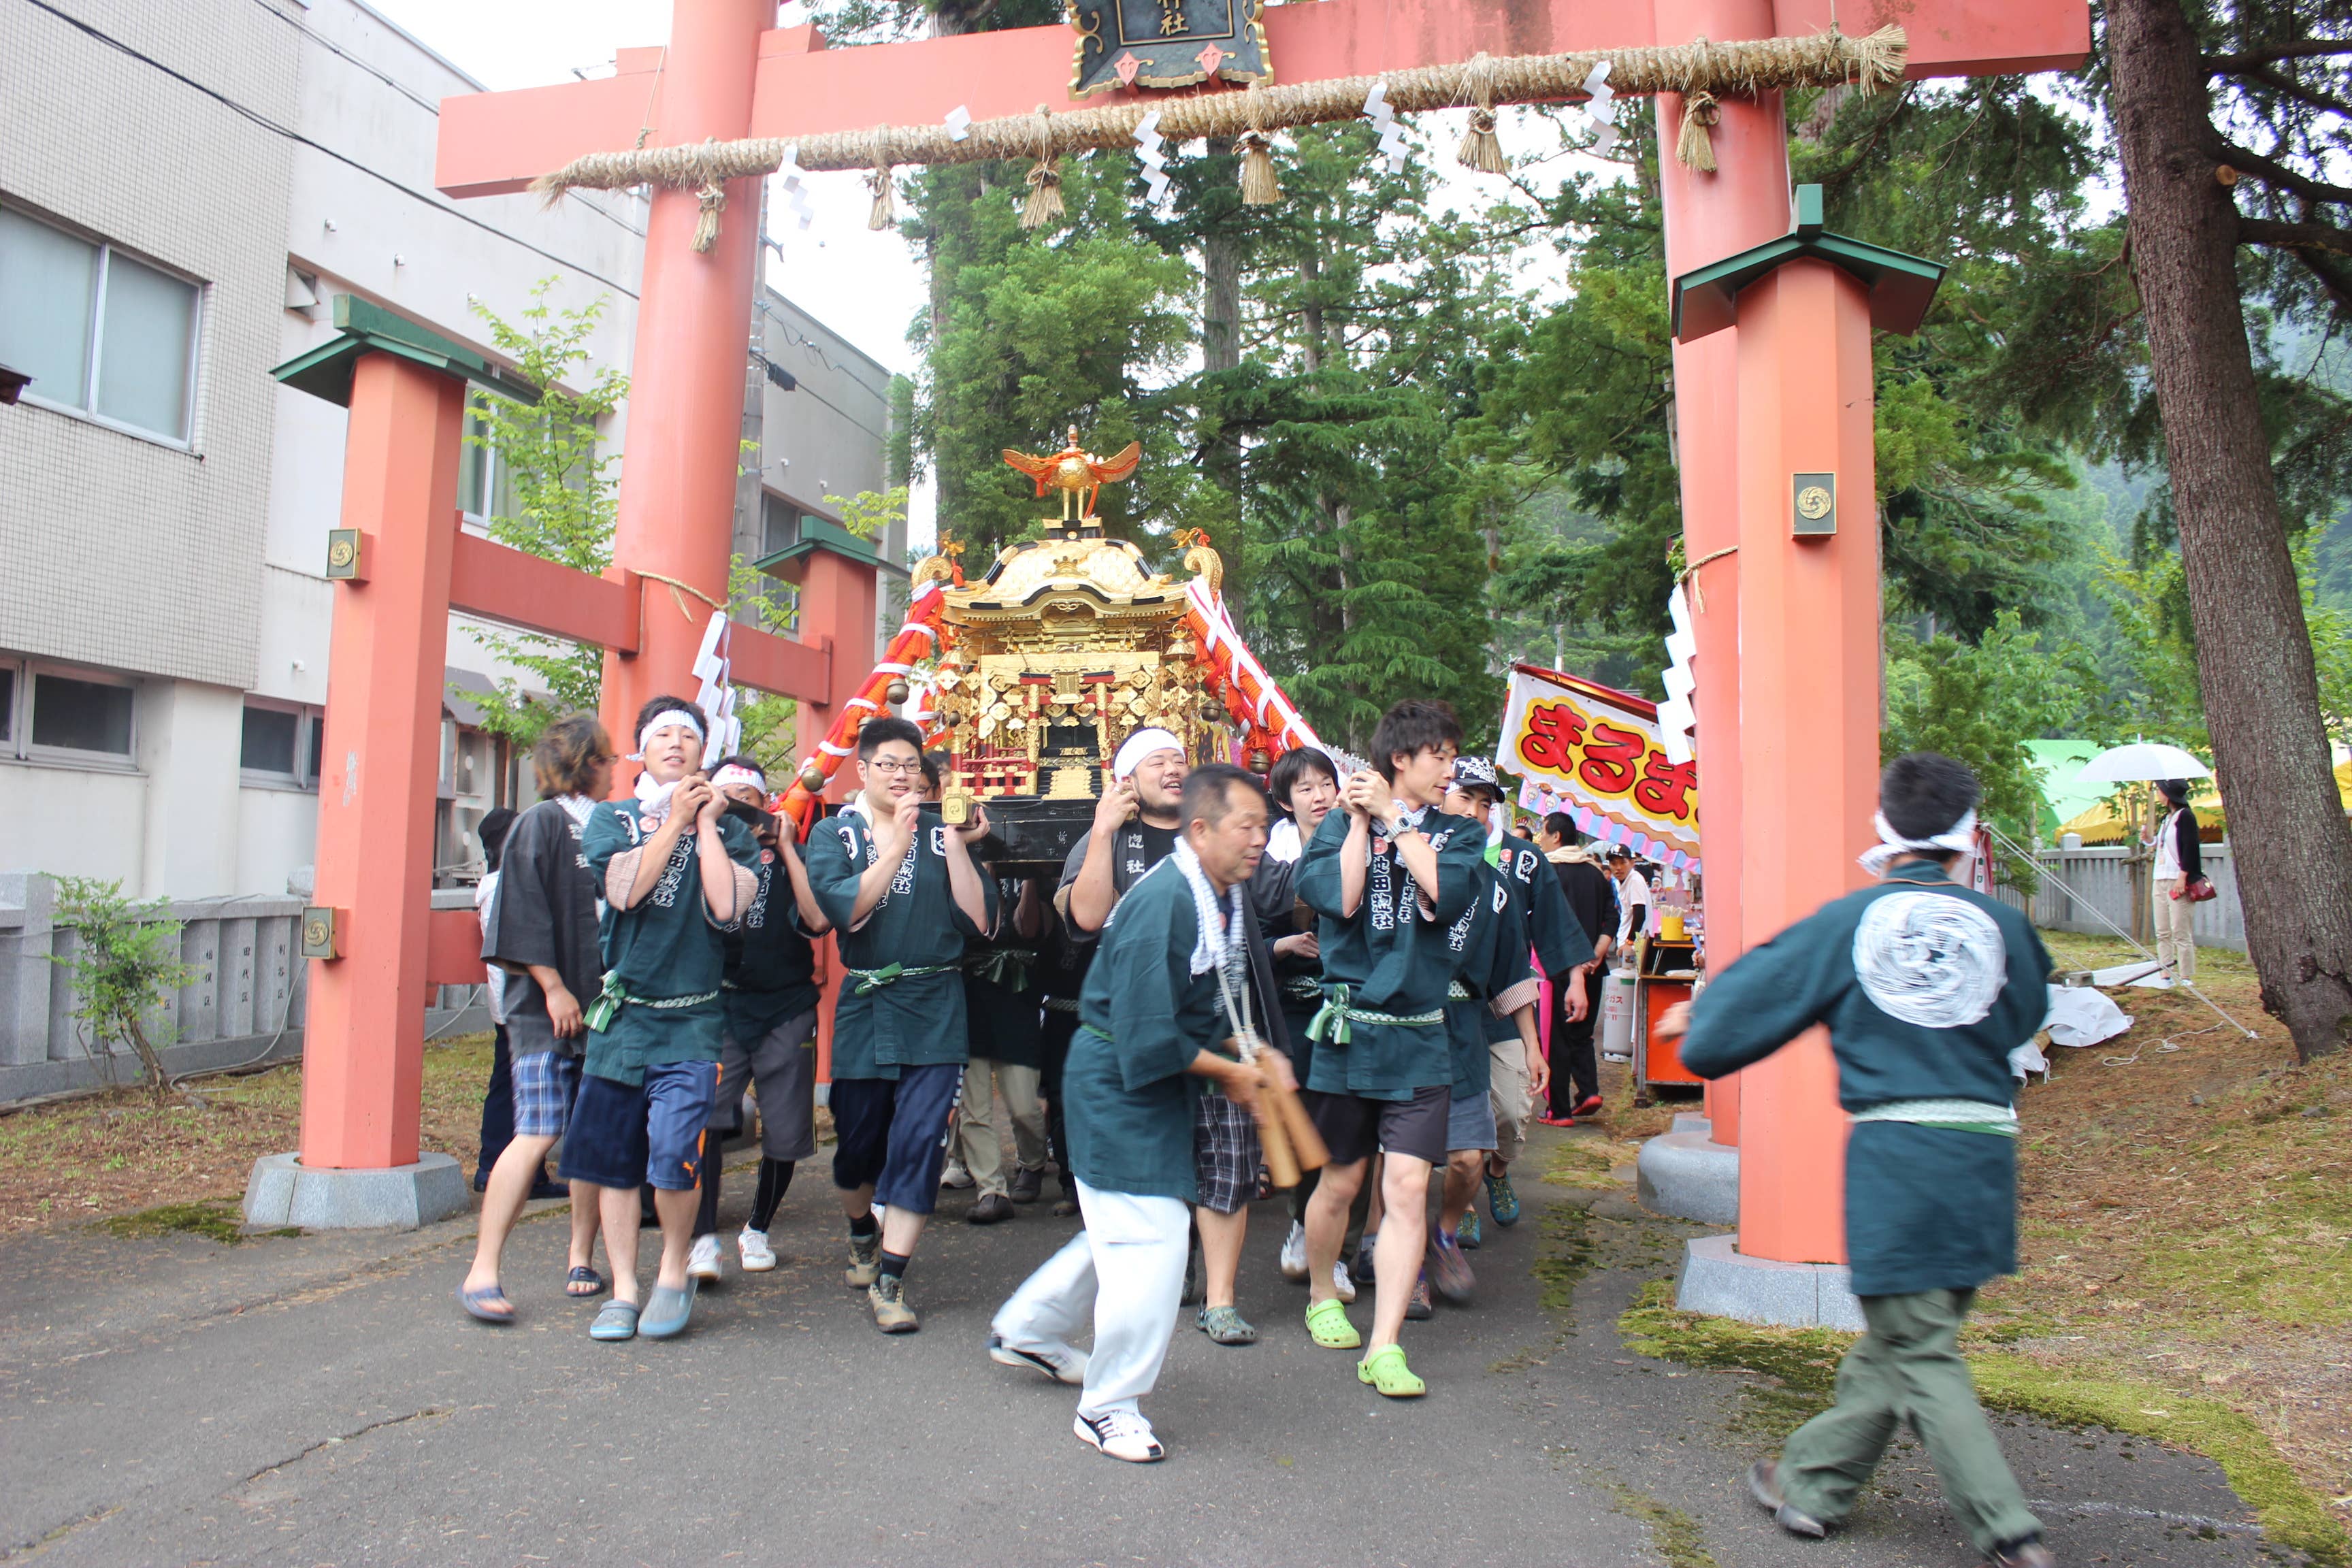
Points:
(1327, 1321)
(1385, 1369)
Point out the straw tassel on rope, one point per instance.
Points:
(1259, 186)
(1695, 147)
(878, 182)
(713, 196)
(1481, 149)
(1045, 203)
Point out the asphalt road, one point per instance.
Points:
(322, 1400)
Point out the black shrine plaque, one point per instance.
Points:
(1166, 43)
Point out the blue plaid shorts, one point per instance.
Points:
(545, 1085)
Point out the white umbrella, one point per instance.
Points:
(2142, 760)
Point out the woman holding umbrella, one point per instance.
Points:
(2178, 868)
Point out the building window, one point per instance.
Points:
(63, 714)
(99, 330)
(281, 744)
(779, 524)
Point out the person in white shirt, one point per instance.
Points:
(2179, 865)
(1632, 896)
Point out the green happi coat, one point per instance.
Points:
(770, 963)
(1143, 1016)
(665, 950)
(911, 1014)
(1490, 940)
(1388, 957)
(1926, 987)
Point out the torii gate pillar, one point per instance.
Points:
(676, 504)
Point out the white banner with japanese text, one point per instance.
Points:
(1596, 753)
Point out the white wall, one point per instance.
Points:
(72, 823)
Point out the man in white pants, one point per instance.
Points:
(1177, 977)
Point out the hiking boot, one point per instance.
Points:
(1417, 1307)
(1450, 1271)
(864, 1261)
(1469, 1235)
(1294, 1254)
(1026, 1185)
(994, 1208)
(1502, 1199)
(1764, 1484)
(887, 1296)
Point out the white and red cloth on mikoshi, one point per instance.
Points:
(1269, 720)
(921, 636)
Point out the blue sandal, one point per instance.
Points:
(583, 1275)
(668, 1311)
(619, 1320)
(481, 1305)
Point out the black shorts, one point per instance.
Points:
(1354, 1128)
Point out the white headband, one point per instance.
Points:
(1140, 745)
(1959, 838)
(737, 774)
(669, 718)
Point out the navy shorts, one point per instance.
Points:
(623, 1137)
(1353, 1127)
(894, 1133)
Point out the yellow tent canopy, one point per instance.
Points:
(2100, 825)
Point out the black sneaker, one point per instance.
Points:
(994, 1208)
(1026, 1185)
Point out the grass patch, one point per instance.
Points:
(1802, 1365)
(1565, 1256)
(1675, 1534)
(214, 1221)
(1583, 1163)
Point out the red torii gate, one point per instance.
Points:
(1787, 715)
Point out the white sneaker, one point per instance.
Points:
(1294, 1254)
(1343, 1283)
(1063, 1365)
(954, 1175)
(1122, 1433)
(752, 1248)
(702, 1263)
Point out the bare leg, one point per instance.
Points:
(1396, 1261)
(1463, 1169)
(901, 1230)
(1327, 1224)
(583, 1225)
(619, 1208)
(1220, 1248)
(502, 1199)
(1380, 1197)
(676, 1210)
(856, 1203)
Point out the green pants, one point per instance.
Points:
(1908, 1367)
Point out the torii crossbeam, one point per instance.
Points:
(1787, 717)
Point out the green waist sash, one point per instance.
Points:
(1333, 1023)
(1951, 1115)
(872, 980)
(617, 995)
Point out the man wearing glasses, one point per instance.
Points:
(903, 892)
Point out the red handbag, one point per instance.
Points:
(2199, 891)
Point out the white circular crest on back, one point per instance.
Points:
(1929, 959)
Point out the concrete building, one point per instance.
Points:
(164, 504)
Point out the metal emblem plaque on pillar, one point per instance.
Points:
(1815, 500)
(1166, 43)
